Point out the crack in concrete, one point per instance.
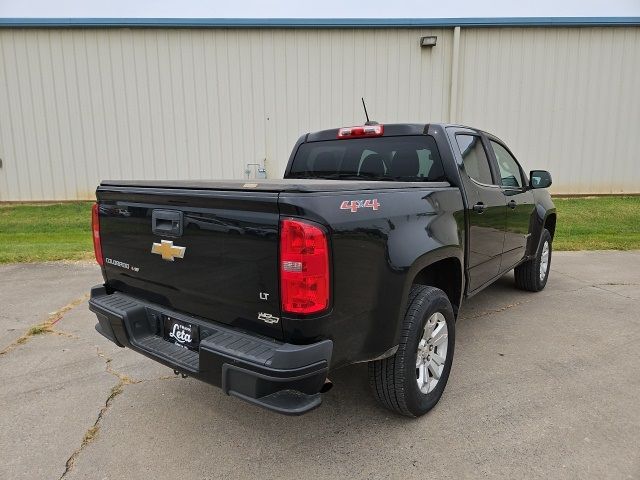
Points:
(584, 285)
(570, 276)
(484, 313)
(611, 291)
(91, 434)
(599, 286)
(55, 317)
(46, 327)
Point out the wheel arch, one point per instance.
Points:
(445, 274)
(544, 216)
(550, 223)
(443, 269)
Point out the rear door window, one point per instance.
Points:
(406, 158)
(474, 158)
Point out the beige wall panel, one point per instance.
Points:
(80, 105)
(564, 99)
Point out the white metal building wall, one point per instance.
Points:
(564, 99)
(80, 105)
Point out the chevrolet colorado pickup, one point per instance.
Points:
(364, 252)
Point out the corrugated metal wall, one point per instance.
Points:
(80, 105)
(564, 99)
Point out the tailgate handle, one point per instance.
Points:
(167, 223)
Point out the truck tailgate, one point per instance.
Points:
(229, 269)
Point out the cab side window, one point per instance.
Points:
(510, 173)
(474, 158)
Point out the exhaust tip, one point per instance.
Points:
(328, 385)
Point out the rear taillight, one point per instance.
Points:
(304, 267)
(361, 131)
(95, 228)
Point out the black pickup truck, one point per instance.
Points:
(364, 252)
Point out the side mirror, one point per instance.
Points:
(539, 179)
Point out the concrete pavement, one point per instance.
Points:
(543, 385)
(30, 292)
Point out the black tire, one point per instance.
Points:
(528, 274)
(393, 379)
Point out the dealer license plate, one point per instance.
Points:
(181, 333)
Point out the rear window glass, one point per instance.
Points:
(408, 158)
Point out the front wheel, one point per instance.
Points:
(533, 274)
(412, 381)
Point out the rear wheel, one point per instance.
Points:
(412, 381)
(534, 273)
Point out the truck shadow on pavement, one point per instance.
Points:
(350, 397)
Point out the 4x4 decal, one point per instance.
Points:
(354, 205)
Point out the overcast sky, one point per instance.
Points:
(322, 9)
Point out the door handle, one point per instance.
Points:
(479, 207)
(167, 223)
(512, 204)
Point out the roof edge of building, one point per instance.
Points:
(316, 22)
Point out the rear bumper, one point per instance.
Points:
(282, 377)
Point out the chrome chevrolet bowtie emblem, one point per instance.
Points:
(268, 318)
(167, 250)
